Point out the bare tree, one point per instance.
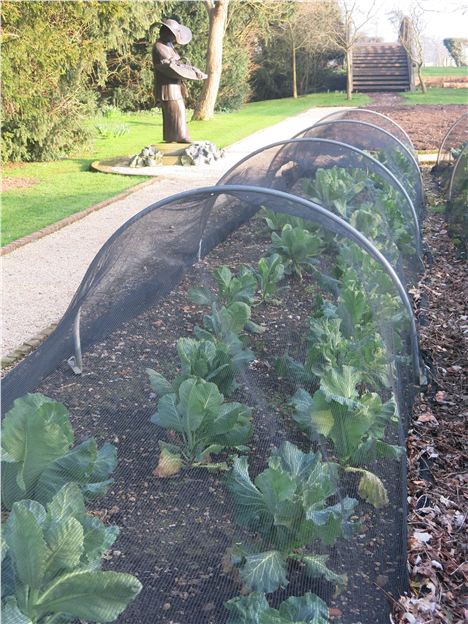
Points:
(309, 26)
(411, 26)
(258, 14)
(346, 34)
(217, 15)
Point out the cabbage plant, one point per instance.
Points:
(38, 457)
(230, 288)
(297, 248)
(203, 423)
(289, 506)
(254, 609)
(277, 220)
(51, 560)
(212, 360)
(355, 423)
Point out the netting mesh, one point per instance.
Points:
(453, 142)
(380, 144)
(261, 456)
(346, 181)
(457, 201)
(375, 118)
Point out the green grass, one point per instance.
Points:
(67, 186)
(445, 71)
(436, 96)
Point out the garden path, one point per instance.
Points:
(40, 278)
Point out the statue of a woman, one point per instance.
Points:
(169, 71)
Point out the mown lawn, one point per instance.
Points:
(436, 96)
(445, 71)
(60, 188)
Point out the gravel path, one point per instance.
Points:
(40, 278)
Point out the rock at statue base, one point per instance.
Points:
(201, 153)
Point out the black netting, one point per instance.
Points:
(375, 118)
(346, 181)
(453, 142)
(457, 202)
(380, 144)
(305, 328)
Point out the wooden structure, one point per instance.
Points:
(381, 67)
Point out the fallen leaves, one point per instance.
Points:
(437, 445)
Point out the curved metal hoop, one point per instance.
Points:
(352, 148)
(330, 116)
(449, 131)
(369, 125)
(327, 217)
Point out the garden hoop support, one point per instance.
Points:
(328, 117)
(361, 153)
(326, 215)
(439, 154)
(462, 154)
(76, 361)
(369, 125)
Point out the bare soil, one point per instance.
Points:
(425, 124)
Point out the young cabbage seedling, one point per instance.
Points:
(354, 423)
(297, 248)
(212, 360)
(254, 609)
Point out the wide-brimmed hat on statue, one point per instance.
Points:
(182, 34)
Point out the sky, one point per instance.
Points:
(443, 18)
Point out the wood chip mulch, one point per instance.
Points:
(437, 441)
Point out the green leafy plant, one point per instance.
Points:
(297, 248)
(289, 505)
(270, 273)
(204, 424)
(51, 560)
(400, 164)
(38, 458)
(328, 349)
(277, 220)
(354, 423)
(211, 360)
(230, 288)
(336, 188)
(254, 609)
(231, 303)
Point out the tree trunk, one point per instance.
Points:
(349, 72)
(294, 72)
(421, 79)
(217, 14)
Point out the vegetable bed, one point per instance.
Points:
(184, 531)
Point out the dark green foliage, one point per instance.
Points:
(203, 422)
(38, 470)
(54, 57)
(211, 360)
(287, 507)
(254, 609)
(51, 564)
(297, 248)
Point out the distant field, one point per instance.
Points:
(445, 71)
